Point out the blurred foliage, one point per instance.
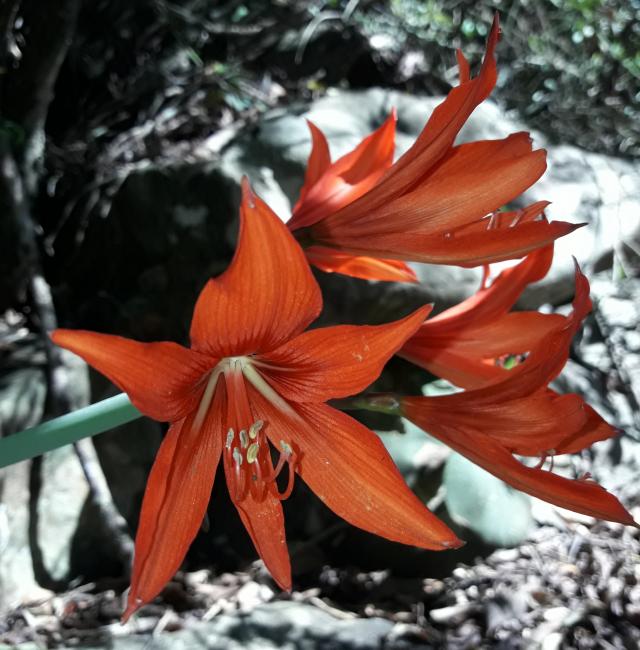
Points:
(571, 68)
(165, 74)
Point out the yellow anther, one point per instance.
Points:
(254, 429)
(252, 452)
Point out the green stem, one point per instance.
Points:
(84, 422)
(378, 402)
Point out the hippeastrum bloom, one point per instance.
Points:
(363, 215)
(520, 415)
(253, 385)
(474, 343)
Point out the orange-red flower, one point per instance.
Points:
(520, 415)
(253, 384)
(467, 343)
(363, 215)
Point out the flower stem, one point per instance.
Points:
(84, 422)
(378, 402)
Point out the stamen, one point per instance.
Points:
(493, 221)
(237, 456)
(230, 436)
(244, 441)
(255, 428)
(252, 452)
(286, 449)
(516, 220)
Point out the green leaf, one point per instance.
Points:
(486, 505)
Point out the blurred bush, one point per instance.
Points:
(571, 68)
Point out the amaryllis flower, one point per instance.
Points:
(520, 415)
(473, 343)
(364, 216)
(251, 386)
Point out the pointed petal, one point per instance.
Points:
(332, 362)
(264, 522)
(463, 66)
(319, 160)
(348, 178)
(175, 502)
(163, 380)
(349, 469)
(367, 268)
(580, 495)
(467, 357)
(432, 144)
(471, 181)
(496, 299)
(483, 247)
(265, 297)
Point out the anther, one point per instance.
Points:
(244, 441)
(237, 456)
(230, 436)
(254, 429)
(287, 450)
(252, 452)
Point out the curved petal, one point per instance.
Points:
(431, 145)
(175, 502)
(464, 188)
(463, 67)
(348, 178)
(163, 380)
(261, 514)
(349, 469)
(265, 297)
(264, 522)
(483, 247)
(332, 362)
(584, 496)
(319, 161)
(467, 357)
(367, 268)
(496, 299)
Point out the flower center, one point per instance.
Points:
(247, 455)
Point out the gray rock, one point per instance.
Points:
(281, 625)
(63, 490)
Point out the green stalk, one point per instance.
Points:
(69, 428)
(378, 402)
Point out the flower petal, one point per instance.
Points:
(432, 144)
(175, 502)
(484, 247)
(467, 357)
(367, 268)
(264, 522)
(499, 297)
(319, 160)
(265, 297)
(579, 495)
(348, 178)
(349, 469)
(332, 362)
(471, 181)
(163, 380)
